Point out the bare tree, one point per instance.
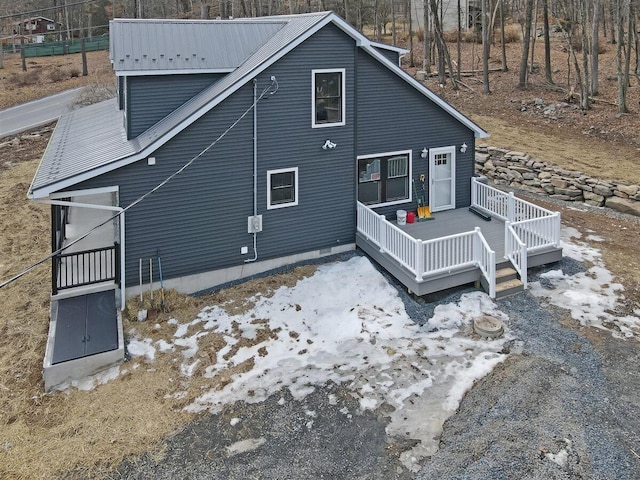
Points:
(486, 46)
(522, 82)
(503, 45)
(426, 66)
(595, 46)
(547, 42)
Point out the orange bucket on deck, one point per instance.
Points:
(411, 217)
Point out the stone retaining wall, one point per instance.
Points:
(519, 170)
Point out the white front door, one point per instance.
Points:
(442, 174)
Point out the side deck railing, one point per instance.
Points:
(88, 267)
(528, 227)
(426, 258)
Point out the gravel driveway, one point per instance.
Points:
(565, 405)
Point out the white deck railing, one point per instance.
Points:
(425, 258)
(516, 251)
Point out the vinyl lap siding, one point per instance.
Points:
(325, 215)
(394, 116)
(198, 222)
(153, 97)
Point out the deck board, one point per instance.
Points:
(461, 220)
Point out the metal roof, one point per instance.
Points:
(92, 141)
(185, 45)
(83, 140)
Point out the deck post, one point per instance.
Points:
(474, 192)
(419, 260)
(383, 233)
(558, 227)
(511, 203)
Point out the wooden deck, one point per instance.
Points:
(444, 224)
(461, 220)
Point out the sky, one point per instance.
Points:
(346, 324)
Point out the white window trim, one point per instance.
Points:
(389, 154)
(343, 99)
(295, 186)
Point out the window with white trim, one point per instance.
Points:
(282, 188)
(384, 179)
(328, 98)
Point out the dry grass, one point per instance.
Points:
(90, 432)
(49, 75)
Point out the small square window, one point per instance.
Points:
(328, 107)
(282, 188)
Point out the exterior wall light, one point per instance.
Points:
(463, 148)
(424, 153)
(329, 144)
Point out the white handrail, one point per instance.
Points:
(425, 258)
(516, 251)
(539, 233)
(486, 260)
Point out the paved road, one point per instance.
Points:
(33, 114)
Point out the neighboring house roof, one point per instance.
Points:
(26, 20)
(68, 161)
(170, 46)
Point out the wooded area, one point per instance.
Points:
(584, 24)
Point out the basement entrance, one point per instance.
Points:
(85, 325)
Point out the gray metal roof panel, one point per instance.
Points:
(84, 139)
(92, 140)
(154, 45)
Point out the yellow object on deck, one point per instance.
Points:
(424, 212)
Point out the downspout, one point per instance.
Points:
(120, 212)
(255, 168)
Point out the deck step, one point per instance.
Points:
(509, 287)
(506, 274)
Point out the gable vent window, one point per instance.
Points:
(328, 98)
(282, 188)
(384, 179)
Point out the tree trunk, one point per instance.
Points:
(393, 22)
(411, 62)
(534, 35)
(485, 48)
(623, 81)
(427, 38)
(547, 42)
(522, 82)
(595, 46)
(459, 41)
(505, 68)
(584, 86)
(204, 10)
(443, 51)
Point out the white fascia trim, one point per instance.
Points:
(87, 191)
(409, 178)
(393, 48)
(141, 73)
(479, 132)
(295, 186)
(343, 105)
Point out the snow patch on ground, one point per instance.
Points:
(346, 324)
(591, 296)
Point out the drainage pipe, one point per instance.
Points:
(255, 168)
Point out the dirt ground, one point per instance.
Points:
(88, 433)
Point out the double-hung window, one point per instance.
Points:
(384, 179)
(282, 188)
(328, 98)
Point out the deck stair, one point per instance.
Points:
(507, 283)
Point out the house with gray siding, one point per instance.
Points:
(238, 146)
